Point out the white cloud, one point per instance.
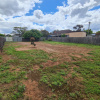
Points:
(16, 7)
(67, 16)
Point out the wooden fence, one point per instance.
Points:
(83, 40)
(2, 41)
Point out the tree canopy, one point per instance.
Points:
(19, 30)
(88, 32)
(32, 33)
(63, 35)
(45, 33)
(2, 34)
(78, 27)
(98, 33)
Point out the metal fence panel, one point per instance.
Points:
(17, 39)
(9, 39)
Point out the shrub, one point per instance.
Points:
(43, 40)
(49, 39)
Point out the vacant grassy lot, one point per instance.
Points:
(50, 71)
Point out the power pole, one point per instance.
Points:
(89, 27)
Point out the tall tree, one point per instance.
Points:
(88, 32)
(45, 33)
(19, 30)
(78, 27)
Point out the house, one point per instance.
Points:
(68, 33)
(91, 35)
(97, 34)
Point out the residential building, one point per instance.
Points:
(68, 33)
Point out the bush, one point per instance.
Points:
(63, 35)
(43, 40)
(49, 39)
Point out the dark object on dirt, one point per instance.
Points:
(32, 39)
(2, 41)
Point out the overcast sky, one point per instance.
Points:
(49, 14)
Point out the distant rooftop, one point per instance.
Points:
(61, 32)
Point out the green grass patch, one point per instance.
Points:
(0, 58)
(53, 76)
(73, 44)
(16, 92)
(7, 77)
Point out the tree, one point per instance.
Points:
(19, 30)
(32, 33)
(88, 32)
(2, 35)
(78, 27)
(45, 33)
(98, 33)
(63, 35)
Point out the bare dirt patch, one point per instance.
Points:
(62, 52)
(5, 57)
(32, 90)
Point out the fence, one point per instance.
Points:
(17, 39)
(84, 40)
(9, 39)
(2, 41)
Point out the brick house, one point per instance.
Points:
(68, 33)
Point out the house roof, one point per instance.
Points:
(61, 32)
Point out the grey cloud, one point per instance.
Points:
(16, 7)
(81, 12)
(38, 14)
(79, 1)
(9, 7)
(81, 7)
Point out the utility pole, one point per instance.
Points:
(89, 27)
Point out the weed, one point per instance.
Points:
(44, 79)
(26, 78)
(21, 88)
(62, 72)
(62, 97)
(53, 80)
(1, 95)
(16, 92)
(63, 65)
(74, 75)
(0, 59)
(54, 59)
(2, 67)
(73, 95)
(41, 66)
